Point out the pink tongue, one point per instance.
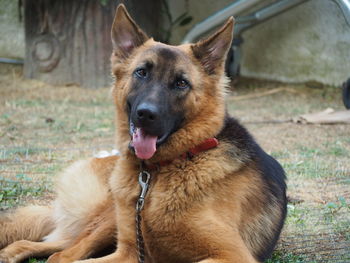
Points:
(145, 145)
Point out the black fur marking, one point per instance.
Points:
(274, 177)
(157, 90)
(272, 172)
(237, 135)
(166, 53)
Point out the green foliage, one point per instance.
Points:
(296, 215)
(186, 20)
(104, 2)
(182, 20)
(281, 257)
(34, 260)
(334, 207)
(11, 191)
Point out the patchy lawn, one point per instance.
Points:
(316, 160)
(44, 128)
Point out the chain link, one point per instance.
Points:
(144, 180)
(139, 239)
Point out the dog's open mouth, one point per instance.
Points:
(145, 145)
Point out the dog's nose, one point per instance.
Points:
(147, 113)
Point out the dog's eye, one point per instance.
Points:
(141, 73)
(182, 84)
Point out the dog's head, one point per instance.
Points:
(168, 98)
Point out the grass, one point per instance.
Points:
(22, 187)
(34, 260)
(316, 161)
(44, 128)
(285, 257)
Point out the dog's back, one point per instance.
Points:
(265, 204)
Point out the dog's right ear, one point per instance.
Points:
(212, 51)
(126, 34)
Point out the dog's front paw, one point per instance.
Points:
(13, 253)
(85, 261)
(61, 257)
(5, 258)
(54, 258)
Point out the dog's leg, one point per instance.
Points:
(87, 244)
(20, 250)
(234, 251)
(127, 255)
(234, 256)
(232, 259)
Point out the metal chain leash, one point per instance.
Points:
(144, 180)
(139, 239)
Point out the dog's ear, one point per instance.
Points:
(126, 34)
(212, 51)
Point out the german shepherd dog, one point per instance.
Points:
(214, 195)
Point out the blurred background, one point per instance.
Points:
(289, 66)
(65, 42)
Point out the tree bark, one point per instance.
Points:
(68, 41)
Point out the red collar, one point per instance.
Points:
(204, 146)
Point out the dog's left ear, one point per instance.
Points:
(126, 34)
(212, 51)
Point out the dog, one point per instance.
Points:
(200, 187)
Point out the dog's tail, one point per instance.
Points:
(29, 223)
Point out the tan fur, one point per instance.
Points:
(82, 214)
(75, 187)
(30, 223)
(99, 233)
(209, 209)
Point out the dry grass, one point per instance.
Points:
(316, 159)
(43, 128)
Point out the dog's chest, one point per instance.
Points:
(171, 204)
(169, 241)
(173, 191)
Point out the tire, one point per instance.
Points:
(346, 94)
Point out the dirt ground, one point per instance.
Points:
(43, 128)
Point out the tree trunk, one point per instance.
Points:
(68, 41)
